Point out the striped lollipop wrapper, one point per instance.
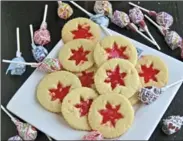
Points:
(64, 10)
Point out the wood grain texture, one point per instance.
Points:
(21, 14)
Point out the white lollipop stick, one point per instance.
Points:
(17, 62)
(12, 118)
(31, 33)
(139, 32)
(45, 13)
(173, 84)
(145, 10)
(90, 15)
(155, 24)
(18, 53)
(81, 8)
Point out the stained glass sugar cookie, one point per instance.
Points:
(115, 47)
(77, 55)
(54, 87)
(118, 76)
(75, 107)
(111, 114)
(81, 28)
(152, 71)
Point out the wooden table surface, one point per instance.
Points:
(21, 14)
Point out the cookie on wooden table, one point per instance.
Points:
(75, 107)
(54, 87)
(152, 71)
(81, 28)
(118, 76)
(77, 55)
(115, 47)
(111, 114)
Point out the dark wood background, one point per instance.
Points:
(21, 14)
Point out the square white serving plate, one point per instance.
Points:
(24, 104)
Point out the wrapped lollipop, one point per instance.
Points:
(42, 36)
(17, 69)
(171, 37)
(172, 124)
(102, 20)
(47, 65)
(15, 138)
(103, 7)
(162, 18)
(137, 17)
(25, 130)
(64, 10)
(39, 52)
(150, 94)
(93, 135)
(122, 20)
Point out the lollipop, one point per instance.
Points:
(122, 20)
(101, 20)
(137, 17)
(171, 37)
(15, 138)
(93, 135)
(150, 94)
(172, 124)
(42, 36)
(47, 65)
(103, 7)
(162, 18)
(64, 10)
(17, 69)
(39, 52)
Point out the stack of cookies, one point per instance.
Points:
(98, 86)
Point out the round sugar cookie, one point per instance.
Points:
(87, 77)
(118, 76)
(152, 71)
(77, 55)
(75, 107)
(81, 28)
(134, 99)
(115, 47)
(54, 87)
(111, 114)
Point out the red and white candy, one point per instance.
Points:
(93, 135)
(42, 36)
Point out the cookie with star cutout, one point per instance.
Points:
(118, 76)
(77, 55)
(81, 28)
(75, 107)
(152, 71)
(111, 114)
(115, 47)
(54, 87)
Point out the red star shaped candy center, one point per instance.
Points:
(60, 92)
(79, 56)
(116, 52)
(84, 106)
(115, 77)
(110, 114)
(149, 73)
(83, 31)
(86, 79)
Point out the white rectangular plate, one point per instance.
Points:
(24, 104)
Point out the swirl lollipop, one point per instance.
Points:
(137, 17)
(162, 18)
(103, 7)
(171, 37)
(25, 130)
(64, 10)
(101, 20)
(150, 94)
(17, 69)
(39, 52)
(47, 65)
(42, 36)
